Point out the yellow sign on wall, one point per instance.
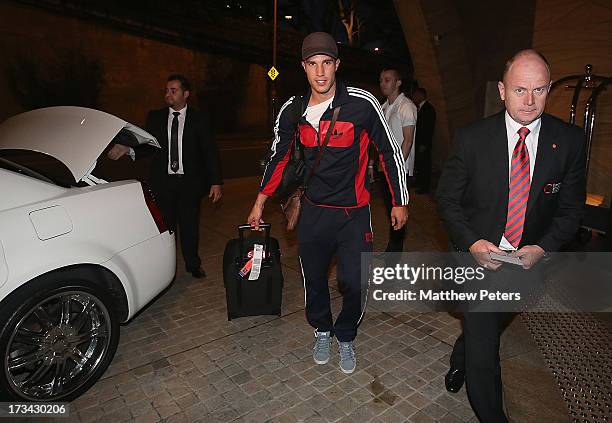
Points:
(273, 73)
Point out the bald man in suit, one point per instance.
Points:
(515, 184)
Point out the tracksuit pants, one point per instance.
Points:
(322, 233)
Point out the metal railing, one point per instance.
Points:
(597, 84)
(597, 218)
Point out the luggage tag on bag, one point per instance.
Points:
(256, 268)
(254, 263)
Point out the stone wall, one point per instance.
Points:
(134, 68)
(458, 47)
(571, 34)
(136, 57)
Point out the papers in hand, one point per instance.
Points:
(506, 258)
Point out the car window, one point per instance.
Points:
(37, 165)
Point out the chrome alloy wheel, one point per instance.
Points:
(57, 346)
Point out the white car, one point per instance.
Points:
(76, 258)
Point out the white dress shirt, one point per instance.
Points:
(402, 112)
(181, 126)
(531, 141)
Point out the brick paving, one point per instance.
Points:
(181, 360)
(265, 372)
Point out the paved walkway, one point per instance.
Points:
(180, 360)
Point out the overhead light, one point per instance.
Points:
(288, 17)
(260, 18)
(227, 5)
(376, 49)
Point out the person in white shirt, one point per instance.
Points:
(401, 114)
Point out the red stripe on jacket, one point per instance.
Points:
(361, 193)
(277, 175)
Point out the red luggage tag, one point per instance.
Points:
(246, 268)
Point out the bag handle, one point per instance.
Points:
(322, 150)
(266, 228)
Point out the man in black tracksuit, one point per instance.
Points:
(335, 215)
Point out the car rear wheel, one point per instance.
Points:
(57, 338)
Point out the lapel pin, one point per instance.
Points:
(554, 146)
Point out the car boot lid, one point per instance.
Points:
(76, 136)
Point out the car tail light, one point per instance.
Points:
(154, 209)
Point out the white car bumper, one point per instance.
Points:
(153, 276)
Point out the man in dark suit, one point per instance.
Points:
(426, 122)
(185, 168)
(515, 185)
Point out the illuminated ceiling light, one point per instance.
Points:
(376, 49)
(288, 17)
(260, 18)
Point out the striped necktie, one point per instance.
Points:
(519, 190)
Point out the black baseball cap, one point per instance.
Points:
(319, 43)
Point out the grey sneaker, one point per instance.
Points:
(320, 351)
(348, 362)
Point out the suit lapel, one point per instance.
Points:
(186, 129)
(542, 163)
(163, 122)
(499, 156)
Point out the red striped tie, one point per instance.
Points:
(519, 190)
